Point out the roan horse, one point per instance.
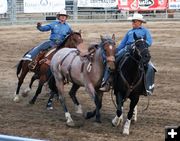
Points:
(129, 80)
(42, 69)
(83, 71)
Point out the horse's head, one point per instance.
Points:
(72, 40)
(140, 50)
(108, 45)
(76, 38)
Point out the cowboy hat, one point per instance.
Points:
(138, 17)
(62, 13)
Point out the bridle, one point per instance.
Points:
(112, 43)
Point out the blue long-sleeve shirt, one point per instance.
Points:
(58, 31)
(129, 39)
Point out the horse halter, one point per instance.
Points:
(76, 40)
(111, 46)
(135, 48)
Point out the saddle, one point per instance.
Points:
(41, 58)
(85, 57)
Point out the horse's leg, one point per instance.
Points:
(50, 100)
(42, 80)
(27, 90)
(72, 93)
(134, 118)
(91, 91)
(60, 87)
(98, 102)
(24, 72)
(119, 111)
(134, 100)
(54, 91)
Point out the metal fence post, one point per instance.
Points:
(106, 13)
(13, 11)
(75, 11)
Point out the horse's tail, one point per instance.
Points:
(19, 67)
(52, 84)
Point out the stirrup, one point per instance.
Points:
(105, 87)
(148, 93)
(32, 65)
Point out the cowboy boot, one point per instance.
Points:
(149, 81)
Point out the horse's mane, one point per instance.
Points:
(66, 38)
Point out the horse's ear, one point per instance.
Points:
(113, 37)
(135, 36)
(101, 37)
(80, 31)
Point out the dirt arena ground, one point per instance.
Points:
(22, 119)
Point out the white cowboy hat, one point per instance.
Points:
(63, 13)
(138, 17)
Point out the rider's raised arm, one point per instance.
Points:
(47, 27)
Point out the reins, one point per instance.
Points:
(115, 105)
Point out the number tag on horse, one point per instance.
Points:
(89, 67)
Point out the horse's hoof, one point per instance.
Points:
(70, 124)
(16, 99)
(126, 127)
(89, 115)
(125, 132)
(24, 94)
(78, 109)
(31, 102)
(98, 121)
(117, 120)
(49, 108)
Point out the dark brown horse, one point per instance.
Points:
(83, 71)
(42, 71)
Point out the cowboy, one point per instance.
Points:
(137, 21)
(59, 30)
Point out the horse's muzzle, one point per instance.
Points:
(111, 63)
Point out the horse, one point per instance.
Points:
(129, 80)
(42, 71)
(82, 71)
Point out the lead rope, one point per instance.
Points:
(115, 105)
(147, 105)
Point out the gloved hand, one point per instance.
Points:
(39, 24)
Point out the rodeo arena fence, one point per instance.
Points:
(31, 11)
(89, 11)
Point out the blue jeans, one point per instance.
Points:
(120, 53)
(35, 51)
